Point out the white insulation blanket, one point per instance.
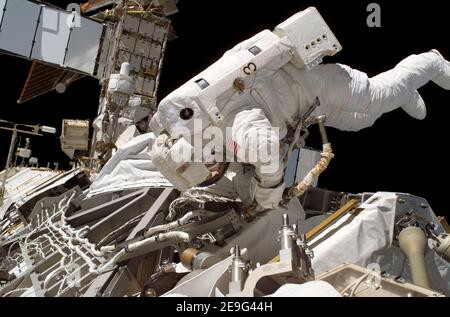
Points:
(130, 167)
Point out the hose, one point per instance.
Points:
(61, 264)
(177, 236)
(326, 156)
(178, 223)
(354, 285)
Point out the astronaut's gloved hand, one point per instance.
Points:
(266, 198)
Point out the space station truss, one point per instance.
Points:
(142, 42)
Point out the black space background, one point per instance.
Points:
(397, 154)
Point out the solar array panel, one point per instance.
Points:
(46, 34)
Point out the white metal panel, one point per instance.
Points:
(142, 48)
(147, 65)
(19, 25)
(84, 46)
(147, 28)
(140, 85)
(135, 63)
(131, 23)
(20, 185)
(159, 34)
(127, 43)
(52, 36)
(156, 51)
(122, 57)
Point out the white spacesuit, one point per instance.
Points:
(277, 96)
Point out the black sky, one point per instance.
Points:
(397, 154)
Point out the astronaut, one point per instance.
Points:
(267, 83)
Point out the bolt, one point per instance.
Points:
(302, 237)
(285, 220)
(150, 293)
(237, 251)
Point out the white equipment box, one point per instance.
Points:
(303, 40)
(310, 36)
(75, 136)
